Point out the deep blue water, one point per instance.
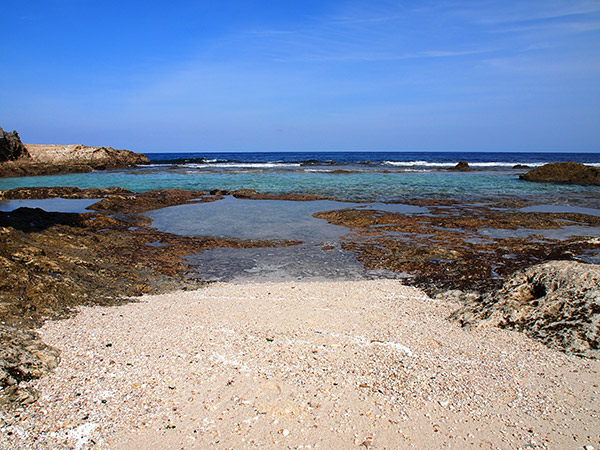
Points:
(414, 160)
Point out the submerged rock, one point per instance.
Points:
(566, 172)
(557, 302)
(150, 200)
(62, 192)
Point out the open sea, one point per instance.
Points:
(359, 176)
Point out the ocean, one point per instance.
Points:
(355, 176)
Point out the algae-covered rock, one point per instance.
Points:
(566, 172)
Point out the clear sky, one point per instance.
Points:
(235, 75)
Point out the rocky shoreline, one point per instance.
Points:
(18, 159)
(51, 263)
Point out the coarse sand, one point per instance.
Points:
(301, 365)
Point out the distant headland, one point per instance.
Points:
(18, 159)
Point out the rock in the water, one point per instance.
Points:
(11, 147)
(566, 172)
(557, 302)
(462, 166)
(23, 357)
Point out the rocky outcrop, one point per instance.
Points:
(462, 166)
(18, 159)
(23, 357)
(96, 157)
(557, 302)
(566, 172)
(11, 147)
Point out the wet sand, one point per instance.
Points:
(330, 365)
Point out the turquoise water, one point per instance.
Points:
(363, 186)
(261, 219)
(392, 178)
(49, 205)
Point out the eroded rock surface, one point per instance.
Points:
(18, 159)
(11, 147)
(23, 357)
(557, 302)
(96, 157)
(567, 172)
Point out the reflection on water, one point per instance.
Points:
(262, 219)
(49, 205)
(251, 219)
(561, 209)
(560, 234)
(271, 219)
(302, 262)
(292, 220)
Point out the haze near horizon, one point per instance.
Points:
(314, 75)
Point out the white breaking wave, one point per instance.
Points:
(505, 164)
(242, 165)
(452, 164)
(414, 163)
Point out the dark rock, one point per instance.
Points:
(11, 147)
(567, 172)
(23, 357)
(462, 166)
(62, 192)
(557, 302)
(521, 166)
(251, 194)
(150, 200)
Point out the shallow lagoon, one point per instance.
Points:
(356, 186)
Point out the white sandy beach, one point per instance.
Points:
(330, 365)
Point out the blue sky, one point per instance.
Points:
(156, 76)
